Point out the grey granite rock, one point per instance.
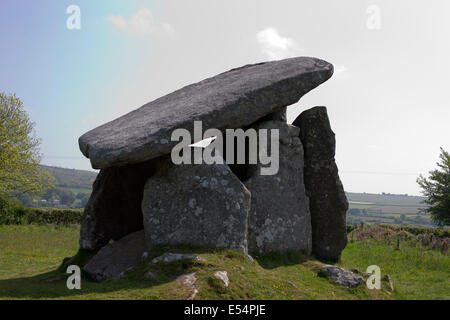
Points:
(279, 218)
(233, 99)
(113, 260)
(362, 273)
(328, 203)
(171, 257)
(341, 276)
(150, 275)
(114, 208)
(222, 276)
(188, 280)
(197, 204)
(276, 116)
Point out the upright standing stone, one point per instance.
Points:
(114, 208)
(279, 218)
(328, 203)
(201, 204)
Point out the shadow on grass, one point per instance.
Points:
(274, 260)
(52, 285)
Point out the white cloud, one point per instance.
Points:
(340, 69)
(118, 21)
(168, 29)
(142, 22)
(276, 47)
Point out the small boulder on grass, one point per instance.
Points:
(188, 280)
(364, 274)
(341, 276)
(222, 276)
(171, 257)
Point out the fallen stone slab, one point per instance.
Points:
(233, 99)
(204, 205)
(279, 218)
(114, 259)
(341, 276)
(328, 202)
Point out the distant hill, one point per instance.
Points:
(71, 178)
(386, 198)
(386, 208)
(72, 189)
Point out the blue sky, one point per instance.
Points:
(388, 100)
(60, 74)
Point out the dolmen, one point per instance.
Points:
(259, 185)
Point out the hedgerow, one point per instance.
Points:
(12, 213)
(437, 232)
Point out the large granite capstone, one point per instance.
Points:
(233, 99)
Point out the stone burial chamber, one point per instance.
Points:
(141, 198)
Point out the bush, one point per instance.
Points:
(13, 213)
(8, 210)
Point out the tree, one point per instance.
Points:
(66, 196)
(19, 151)
(437, 190)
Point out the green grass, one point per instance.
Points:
(30, 255)
(28, 250)
(416, 273)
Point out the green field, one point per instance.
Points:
(387, 209)
(30, 255)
